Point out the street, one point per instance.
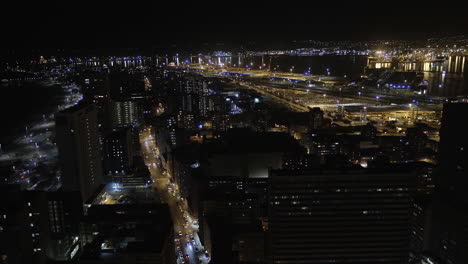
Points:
(188, 247)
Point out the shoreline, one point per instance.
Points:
(16, 148)
(57, 97)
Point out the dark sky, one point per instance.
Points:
(135, 23)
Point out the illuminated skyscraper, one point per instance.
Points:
(124, 113)
(194, 91)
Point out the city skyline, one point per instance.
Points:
(233, 133)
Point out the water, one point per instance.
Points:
(23, 103)
(448, 84)
(445, 78)
(351, 66)
(124, 62)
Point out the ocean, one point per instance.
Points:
(22, 103)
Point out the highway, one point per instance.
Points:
(404, 108)
(188, 247)
(369, 93)
(262, 90)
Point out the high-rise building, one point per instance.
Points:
(315, 118)
(124, 113)
(118, 151)
(79, 149)
(194, 91)
(419, 227)
(230, 213)
(186, 120)
(94, 85)
(453, 151)
(63, 212)
(301, 161)
(95, 88)
(36, 225)
(352, 216)
(449, 220)
(127, 85)
(16, 243)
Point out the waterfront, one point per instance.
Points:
(351, 66)
(445, 78)
(25, 102)
(30, 155)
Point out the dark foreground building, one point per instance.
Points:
(79, 149)
(128, 233)
(36, 225)
(341, 216)
(449, 223)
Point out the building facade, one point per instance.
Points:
(349, 216)
(79, 149)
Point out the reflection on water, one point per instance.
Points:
(352, 66)
(444, 77)
(446, 84)
(118, 62)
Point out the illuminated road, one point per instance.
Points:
(369, 93)
(403, 108)
(262, 90)
(185, 231)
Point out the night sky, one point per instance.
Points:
(82, 24)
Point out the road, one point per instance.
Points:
(380, 106)
(264, 91)
(188, 247)
(369, 93)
